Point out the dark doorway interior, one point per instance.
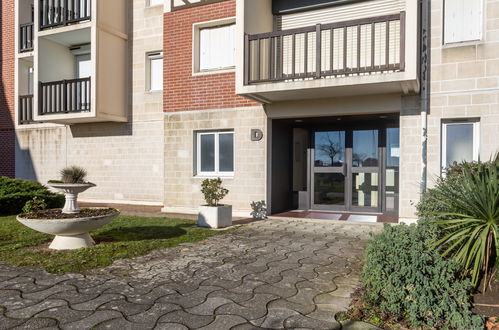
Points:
(357, 171)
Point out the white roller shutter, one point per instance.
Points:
(349, 12)
(462, 20)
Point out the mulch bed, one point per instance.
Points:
(57, 214)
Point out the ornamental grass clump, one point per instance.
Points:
(73, 174)
(213, 191)
(411, 282)
(464, 209)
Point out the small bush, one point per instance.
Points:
(15, 193)
(213, 191)
(34, 205)
(406, 278)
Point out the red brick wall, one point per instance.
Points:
(7, 59)
(182, 90)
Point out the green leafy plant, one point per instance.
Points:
(468, 216)
(34, 205)
(408, 280)
(73, 174)
(213, 191)
(15, 193)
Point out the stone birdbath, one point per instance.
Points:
(71, 226)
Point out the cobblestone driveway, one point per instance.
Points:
(272, 274)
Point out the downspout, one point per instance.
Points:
(425, 88)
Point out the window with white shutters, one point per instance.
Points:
(217, 48)
(463, 20)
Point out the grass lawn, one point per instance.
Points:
(124, 237)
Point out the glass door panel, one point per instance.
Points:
(328, 177)
(392, 169)
(365, 190)
(365, 148)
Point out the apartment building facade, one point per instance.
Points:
(331, 105)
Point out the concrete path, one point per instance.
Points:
(271, 274)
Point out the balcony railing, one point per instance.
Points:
(64, 96)
(364, 46)
(63, 12)
(26, 109)
(26, 37)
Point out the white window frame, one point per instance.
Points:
(464, 42)
(217, 172)
(149, 57)
(476, 139)
(196, 29)
(150, 4)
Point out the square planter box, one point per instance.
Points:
(215, 216)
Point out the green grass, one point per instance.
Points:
(124, 237)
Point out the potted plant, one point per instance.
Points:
(71, 226)
(213, 214)
(73, 182)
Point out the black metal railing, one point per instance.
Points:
(63, 12)
(26, 37)
(26, 109)
(64, 96)
(362, 46)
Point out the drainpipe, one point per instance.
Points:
(425, 88)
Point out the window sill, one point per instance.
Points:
(463, 44)
(214, 176)
(215, 71)
(160, 91)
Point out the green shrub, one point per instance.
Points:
(34, 205)
(406, 278)
(15, 193)
(213, 191)
(464, 208)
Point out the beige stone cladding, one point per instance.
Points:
(182, 185)
(464, 85)
(125, 160)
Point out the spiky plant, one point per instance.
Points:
(469, 218)
(73, 174)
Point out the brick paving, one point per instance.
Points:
(274, 274)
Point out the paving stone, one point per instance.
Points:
(92, 320)
(64, 314)
(209, 306)
(300, 308)
(245, 326)
(43, 294)
(225, 322)
(125, 307)
(191, 299)
(9, 323)
(151, 315)
(275, 318)
(27, 312)
(37, 323)
(300, 321)
(187, 319)
(73, 297)
(98, 301)
(171, 326)
(121, 324)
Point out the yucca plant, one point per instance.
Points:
(469, 217)
(73, 174)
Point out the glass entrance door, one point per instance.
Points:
(345, 170)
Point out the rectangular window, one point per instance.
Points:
(153, 3)
(462, 20)
(217, 47)
(155, 71)
(215, 153)
(460, 142)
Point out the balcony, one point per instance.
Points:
(365, 46)
(54, 13)
(64, 96)
(26, 110)
(337, 49)
(26, 37)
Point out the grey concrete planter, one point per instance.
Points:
(215, 216)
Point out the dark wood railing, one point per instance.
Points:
(26, 109)
(64, 96)
(26, 37)
(63, 12)
(355, 47)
